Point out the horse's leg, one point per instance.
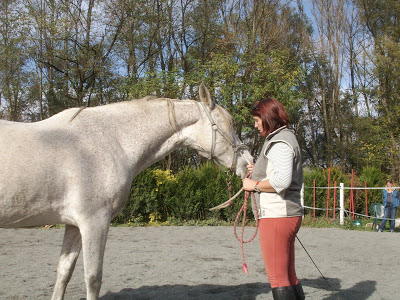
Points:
(94, 238)
(72, 245)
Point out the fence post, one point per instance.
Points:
(341, 203)
(334, 201)
(352, 194)
(327, 194)
(314, 201)
(366, 200)
(302, 197)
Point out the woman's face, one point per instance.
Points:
(258, 124)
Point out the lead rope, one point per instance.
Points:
(229, 184)
(244, 210)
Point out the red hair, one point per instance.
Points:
(272, 113)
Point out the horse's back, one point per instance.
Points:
(33, 160)
(53, 166)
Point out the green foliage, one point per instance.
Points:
(374, 178)
(159, 197)
(235, 80)
(371, 175)
(321, 180)
(161, 84)
(382, 20)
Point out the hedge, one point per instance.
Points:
(159, 196)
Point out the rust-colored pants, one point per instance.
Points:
(277, 237)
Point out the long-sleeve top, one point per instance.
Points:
(395, 197)
(281, 156)
(280, 162)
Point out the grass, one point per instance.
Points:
(175, 222)
(322, 222)
(308, 221)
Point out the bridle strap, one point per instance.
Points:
(215, 128)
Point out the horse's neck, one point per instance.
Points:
(156, 129)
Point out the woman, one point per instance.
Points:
(390, 199)
(277, 178)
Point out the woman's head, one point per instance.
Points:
(389, 183)
(269, 115)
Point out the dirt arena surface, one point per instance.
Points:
(202, 263)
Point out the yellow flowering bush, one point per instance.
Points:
(162, 177)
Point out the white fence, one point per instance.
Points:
(341, 207)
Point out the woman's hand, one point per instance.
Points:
(250, 168)
(249, 184)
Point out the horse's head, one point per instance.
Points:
(217, 139)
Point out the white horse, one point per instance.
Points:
(76, 168)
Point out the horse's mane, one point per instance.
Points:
(171, 110)
(77, 113)
(170, 102)
(148, 98)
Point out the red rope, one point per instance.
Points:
(244, 210)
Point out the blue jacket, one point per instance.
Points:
(395, 197)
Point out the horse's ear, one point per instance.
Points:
(205, 96)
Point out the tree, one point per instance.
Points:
(75, 41)
(13, 61)
(382, 20)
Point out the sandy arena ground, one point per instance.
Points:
(202, 263)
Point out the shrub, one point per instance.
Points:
(374, 178)
(321, 180)
(159, 196)
(371, 175)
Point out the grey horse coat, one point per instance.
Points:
(76, 168)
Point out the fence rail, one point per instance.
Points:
(341, 207)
